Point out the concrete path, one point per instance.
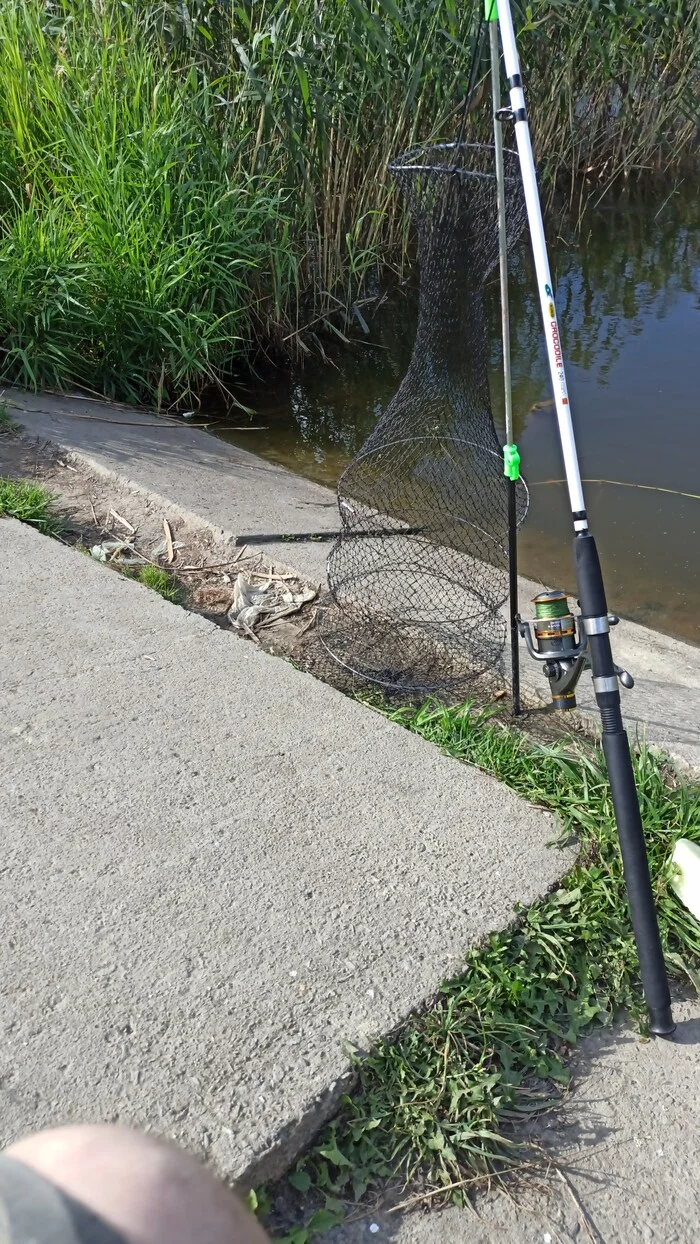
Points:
(238, 492)
(216, 873)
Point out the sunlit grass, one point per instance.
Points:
(183, 187)
(436, 1103)
(29, 503)
(161, 582)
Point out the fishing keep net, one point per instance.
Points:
(419, 573)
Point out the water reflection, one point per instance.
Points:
(628, 292)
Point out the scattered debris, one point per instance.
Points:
(170, 551)
(260, 606)
(161, 549)
(121, 551)
(124, 522)
(686, 874)
(128, 530)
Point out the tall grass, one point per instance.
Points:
(183, 185)
(615, 87)
(138, 256)
(341, 87)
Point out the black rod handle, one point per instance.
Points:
(513, 596)
(628, 817)
(636, 869)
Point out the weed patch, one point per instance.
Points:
(8, 425)
(436, 1104)
(161, 582)
(29, 503)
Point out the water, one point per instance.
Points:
(628, 294)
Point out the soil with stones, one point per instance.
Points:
(97, 509)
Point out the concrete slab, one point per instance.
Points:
(216, 872)
(236, 491)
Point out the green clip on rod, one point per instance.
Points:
(595, 621)
(511, 457)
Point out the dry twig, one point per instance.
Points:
(170, 552)
(123, 521)
(588, 1225)
(271, 578)
(208, 567)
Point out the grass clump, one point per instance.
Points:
(137, 250)
(29, 503)
(435, 1103)
(8, 425)
(161, 582)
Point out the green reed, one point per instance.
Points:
(183, 187)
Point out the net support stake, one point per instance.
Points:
(591, 588)
(511, 457)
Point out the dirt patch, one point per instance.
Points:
(98, 510)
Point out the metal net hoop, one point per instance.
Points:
(418, 574)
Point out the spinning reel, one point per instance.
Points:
(561, 644)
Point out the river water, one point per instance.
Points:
(628, 292)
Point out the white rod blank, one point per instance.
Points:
(502, 239)
(544, 278)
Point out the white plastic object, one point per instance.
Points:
(686, 879)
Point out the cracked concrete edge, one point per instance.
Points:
(282, 1150)
(196, 521)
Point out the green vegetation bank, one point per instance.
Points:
(184, 187)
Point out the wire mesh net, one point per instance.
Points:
(418, 575)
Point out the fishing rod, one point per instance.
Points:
(554, 625)
(511, 457)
